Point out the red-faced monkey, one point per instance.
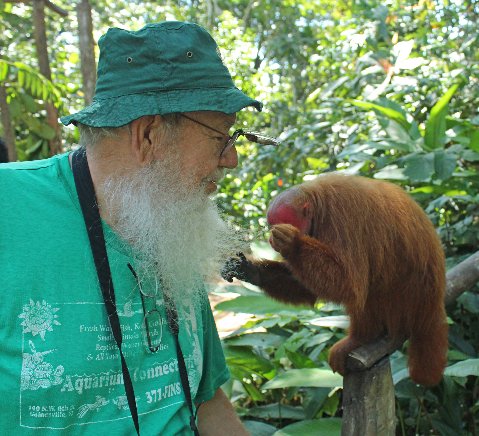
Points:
(367, 245)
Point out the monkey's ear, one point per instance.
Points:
(306, 209)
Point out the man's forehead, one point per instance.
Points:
(219, 118)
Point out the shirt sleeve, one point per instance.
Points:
(215, 372)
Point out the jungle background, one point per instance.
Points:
(386, 90)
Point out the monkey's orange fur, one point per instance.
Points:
(367, 245)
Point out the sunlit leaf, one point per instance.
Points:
(463, 369)
(390, 113)
(257, 304)
(312, 377)
(3, 70)
(341, 321)
(435, 134)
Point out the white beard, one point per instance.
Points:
(175, 229)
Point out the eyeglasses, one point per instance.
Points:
(152, 322)
(255, 137)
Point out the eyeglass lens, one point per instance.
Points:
(152, 331)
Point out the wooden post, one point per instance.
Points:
(369, 402)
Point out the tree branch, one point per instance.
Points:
(56, 8)
(462, 277)
(48, 4)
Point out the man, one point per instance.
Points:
(156, 139)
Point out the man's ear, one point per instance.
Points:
(144, 133)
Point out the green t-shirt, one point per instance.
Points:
(59, 364)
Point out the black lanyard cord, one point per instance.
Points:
(91, 216)
(172, 316)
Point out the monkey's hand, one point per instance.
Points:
(282, 238)
(242, 269)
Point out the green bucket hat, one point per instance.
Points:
(162, 68)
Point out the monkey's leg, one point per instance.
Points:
(364, 328)
(339, 353)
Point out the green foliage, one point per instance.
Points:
(418, 132)
(278, 363)
(28, 79)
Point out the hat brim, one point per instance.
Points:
(118, 111)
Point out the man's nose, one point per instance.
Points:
(229, 159)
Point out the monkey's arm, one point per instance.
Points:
(273, 277)
(314, 264)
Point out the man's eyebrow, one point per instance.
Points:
(228, 123)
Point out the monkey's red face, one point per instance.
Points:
(284, 213)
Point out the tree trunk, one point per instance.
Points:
(8, 131)
(44, 66)
(369, 402)
(87, 49)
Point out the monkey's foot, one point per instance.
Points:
(339, 353)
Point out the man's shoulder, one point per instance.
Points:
(17, 173)
(11, 168)
(31, 181)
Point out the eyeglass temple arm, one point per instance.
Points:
(260, 139)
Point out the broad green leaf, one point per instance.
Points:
(463, 369)
(470, 156)
(326, 91)
(3, 70)
(258, 428)
(470, 302)
(226, 288)
(391, 172)
(400, 375)
(277, 411)
(257, 305)
(444, 164)
(21, 78)
(390, 113)
(341, 321)
(435, 134)
(316, 427)
(253, 392)
(398, 134)
(474, 143)
(256, 340)
(300, 360)
(419, 167)
(312, 377)
(316, 163)
(319, 338)
(243, 362)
